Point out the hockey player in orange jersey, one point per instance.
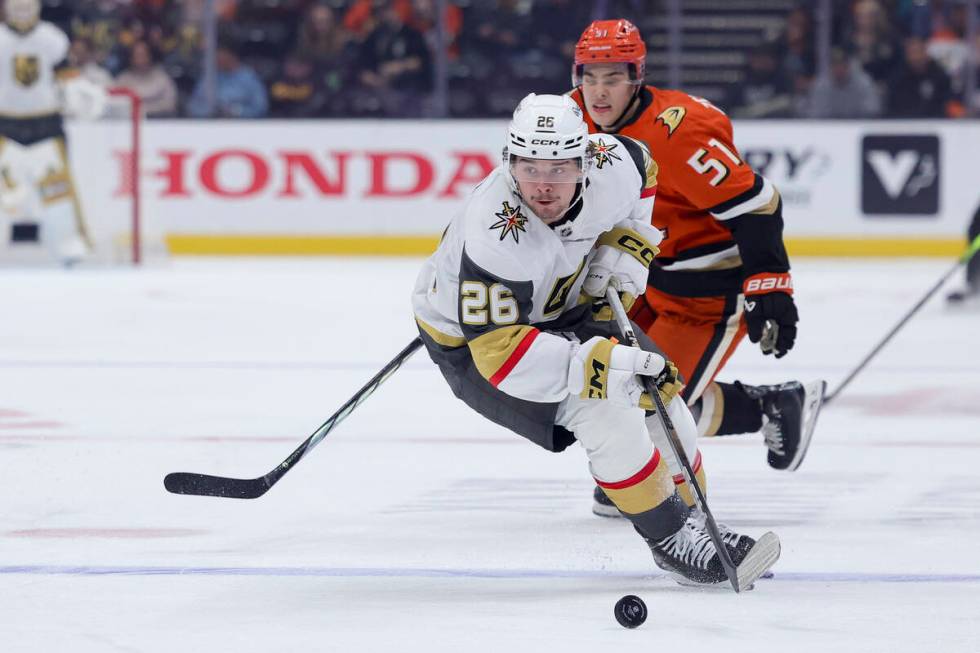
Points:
(723, 271)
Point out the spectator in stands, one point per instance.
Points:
(100, 22)
(425, 19)
(873, 40)
(82, 57)
(239, 93)
(296, 92)
(320, 37)
(397, 65)
(797, 51)
(495, 36)
(766, 91)
(559, 24)
(497, 29)
(150, 81)
(362, 16)
(846, 92)
(947, 46)
(919, 88)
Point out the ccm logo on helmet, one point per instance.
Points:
(542, 141)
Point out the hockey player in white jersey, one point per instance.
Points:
(38, 201)
(509, 309)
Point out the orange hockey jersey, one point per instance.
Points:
(702, 183)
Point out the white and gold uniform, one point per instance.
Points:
(520, 278)
(509, 309)
(500, 309)
(37, 194)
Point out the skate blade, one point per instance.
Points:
(687, 582)
(813, 394)
(759, 560)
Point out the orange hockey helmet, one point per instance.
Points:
(611, 41)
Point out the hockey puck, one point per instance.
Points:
(630, 611)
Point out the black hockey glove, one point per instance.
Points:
(770, 312)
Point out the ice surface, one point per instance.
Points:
(418, 526)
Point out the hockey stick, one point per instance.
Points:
(252, 488)
(962, 260)
(612, 296)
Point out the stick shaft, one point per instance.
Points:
(675, 444)
(366, 391)
(252, 488)
(963, 259)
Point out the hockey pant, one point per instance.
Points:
(628, 454)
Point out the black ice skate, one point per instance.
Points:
(738, 544)
(690, 558)
(968, 296)
(789, 416)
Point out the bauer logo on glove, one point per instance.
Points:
(770, 312)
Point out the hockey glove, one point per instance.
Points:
(622, 260)
(601, 369)
(770, 312)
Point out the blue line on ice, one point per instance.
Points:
(514, 574)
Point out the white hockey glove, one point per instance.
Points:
(83, 99)
(601, 369)
(623, 261)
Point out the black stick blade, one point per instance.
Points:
(215, 486)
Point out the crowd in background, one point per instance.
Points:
(377, 58)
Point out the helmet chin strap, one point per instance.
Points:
(616, 124)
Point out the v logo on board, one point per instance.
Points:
(900, 175)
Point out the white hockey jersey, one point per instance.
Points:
(28, 87)
(505, 284)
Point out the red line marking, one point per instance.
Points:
(31, 425)
(12, 413)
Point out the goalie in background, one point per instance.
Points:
(38, 202)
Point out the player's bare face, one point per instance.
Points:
(547, 186)
(607, 91)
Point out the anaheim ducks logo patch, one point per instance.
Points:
(602, 153)
(671, 117)
(511, 221)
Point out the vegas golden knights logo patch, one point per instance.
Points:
(27, 69)
(603, 153)
(511, 221)
(671, 117)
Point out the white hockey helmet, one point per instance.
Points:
(548, 127)
(22, 14)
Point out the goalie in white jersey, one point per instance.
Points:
(508, 308)
(37, 195)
